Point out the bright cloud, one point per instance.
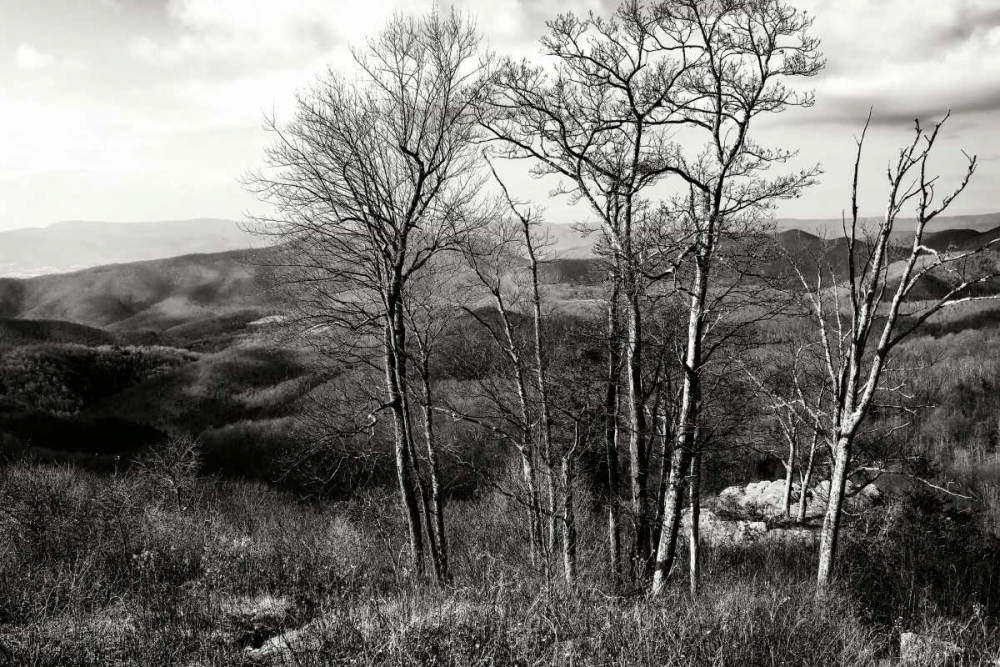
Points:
(28, 58)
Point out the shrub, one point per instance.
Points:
(914, 561)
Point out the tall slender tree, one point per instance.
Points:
(601, 120)
(376, 174)
(860, 319)
(610, 120)
(742, 52)
(496, 256)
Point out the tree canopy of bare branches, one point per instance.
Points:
(373, 177)
(859, 322)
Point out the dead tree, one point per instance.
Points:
(859, 322)
(376, 174)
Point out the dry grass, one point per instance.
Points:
(128, 571)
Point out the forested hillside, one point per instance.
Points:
(155, 295)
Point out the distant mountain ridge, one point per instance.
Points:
(73, 245)
(834, 226)
(951, 239)
(189, 294)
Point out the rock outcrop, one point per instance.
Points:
(765, 499)
(717, 531)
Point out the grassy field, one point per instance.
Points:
(163, 567)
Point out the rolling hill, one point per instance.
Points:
(206, 294)
(71, 246)
(153, 295)
(188, 295)
(32, 332)
(961, 239)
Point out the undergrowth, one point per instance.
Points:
(162, 567)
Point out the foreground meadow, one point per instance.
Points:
(159, 567)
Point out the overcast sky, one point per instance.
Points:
(127, 110)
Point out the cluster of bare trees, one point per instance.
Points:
(392, 226)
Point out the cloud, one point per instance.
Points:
(225, 32)
(28, 58)
(277, 35)
(906, 58)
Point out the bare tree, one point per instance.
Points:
(860, 322)
(496, 257)
(376, 175)
(793, 392)
(533, 245)
(744, 51)
(432, 302)
(607, 120)
(600, 120)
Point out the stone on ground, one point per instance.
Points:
(716, 531)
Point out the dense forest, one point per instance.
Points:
(415, 433)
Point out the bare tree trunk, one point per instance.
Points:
(786, 501)
(534, 509)
(569, 521)
(437, 503)
(831, 522)
(611, 408)
(553, 509)
(543, 394)
(672, 505)
(661, 488)
(418, 475)
(687, 432)
(805, 479)
(538, 550)
(394, 369)
(425, 502)
(637, 435)
(694, 545)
